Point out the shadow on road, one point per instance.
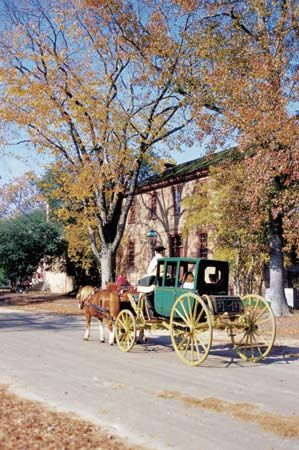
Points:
(224, 352)
(27, 322)
(16, 299)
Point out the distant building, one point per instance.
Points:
(53, 278)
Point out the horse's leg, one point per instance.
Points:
(101, 328)
(114, 307)
(111, 331)
(87, 324)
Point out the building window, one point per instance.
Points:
(153, 206)
(132, 212)
(202, 245)
(131, 254)
(177, 195)
(176, 246)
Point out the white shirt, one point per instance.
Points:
(188, 285)
(151, 270)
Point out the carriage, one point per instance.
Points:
(191, 314)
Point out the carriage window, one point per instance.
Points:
(160, 273)
(185, 268)
(212, 275)
(170, 274)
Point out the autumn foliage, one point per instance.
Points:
(103, 84)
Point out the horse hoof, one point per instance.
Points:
(102, 341)
(111, 343)
(85, 339)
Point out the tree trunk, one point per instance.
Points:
(276, 292)
(108, 256)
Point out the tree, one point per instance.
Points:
(252, 77)
(3, 277)
(19, 196)
(25, 241)
(98, 87)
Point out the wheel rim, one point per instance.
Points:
(191, 329)
(125, 328)
(255, 335)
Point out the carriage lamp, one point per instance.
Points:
(152, 237)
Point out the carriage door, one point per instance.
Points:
(165, 294)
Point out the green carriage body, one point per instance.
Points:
(169, 277)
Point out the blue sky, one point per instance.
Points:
(19, 161)
(30, 160)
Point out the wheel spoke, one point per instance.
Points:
(125, 330)
(201, 342)
(181, 315)
(181, 343)
(265, 320)
(187, 346)
(179, 324)
(191, 339)
(197, 349)
(262, 312)
(256, 341)
(199, 316)
(186, 314)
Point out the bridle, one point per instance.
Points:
(85, 300)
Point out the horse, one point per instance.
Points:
(102, 304)
(84, 292)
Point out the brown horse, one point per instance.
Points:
(84, 292)
(102, 304)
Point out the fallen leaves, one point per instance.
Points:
(284, 426)
(25, 424)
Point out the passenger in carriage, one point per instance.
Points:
(188, 281)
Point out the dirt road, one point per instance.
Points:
(148, 396)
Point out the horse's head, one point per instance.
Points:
(83, 295)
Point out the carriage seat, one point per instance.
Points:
(147, 284)
(146, 289)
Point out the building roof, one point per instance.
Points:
(190, 170)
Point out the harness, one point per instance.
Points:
(100, 309)
(82, 304)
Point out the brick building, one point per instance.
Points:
(158, 206)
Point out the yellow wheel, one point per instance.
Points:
(191, 329)
(254, 334)
(125, 330)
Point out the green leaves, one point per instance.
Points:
(26, 240)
